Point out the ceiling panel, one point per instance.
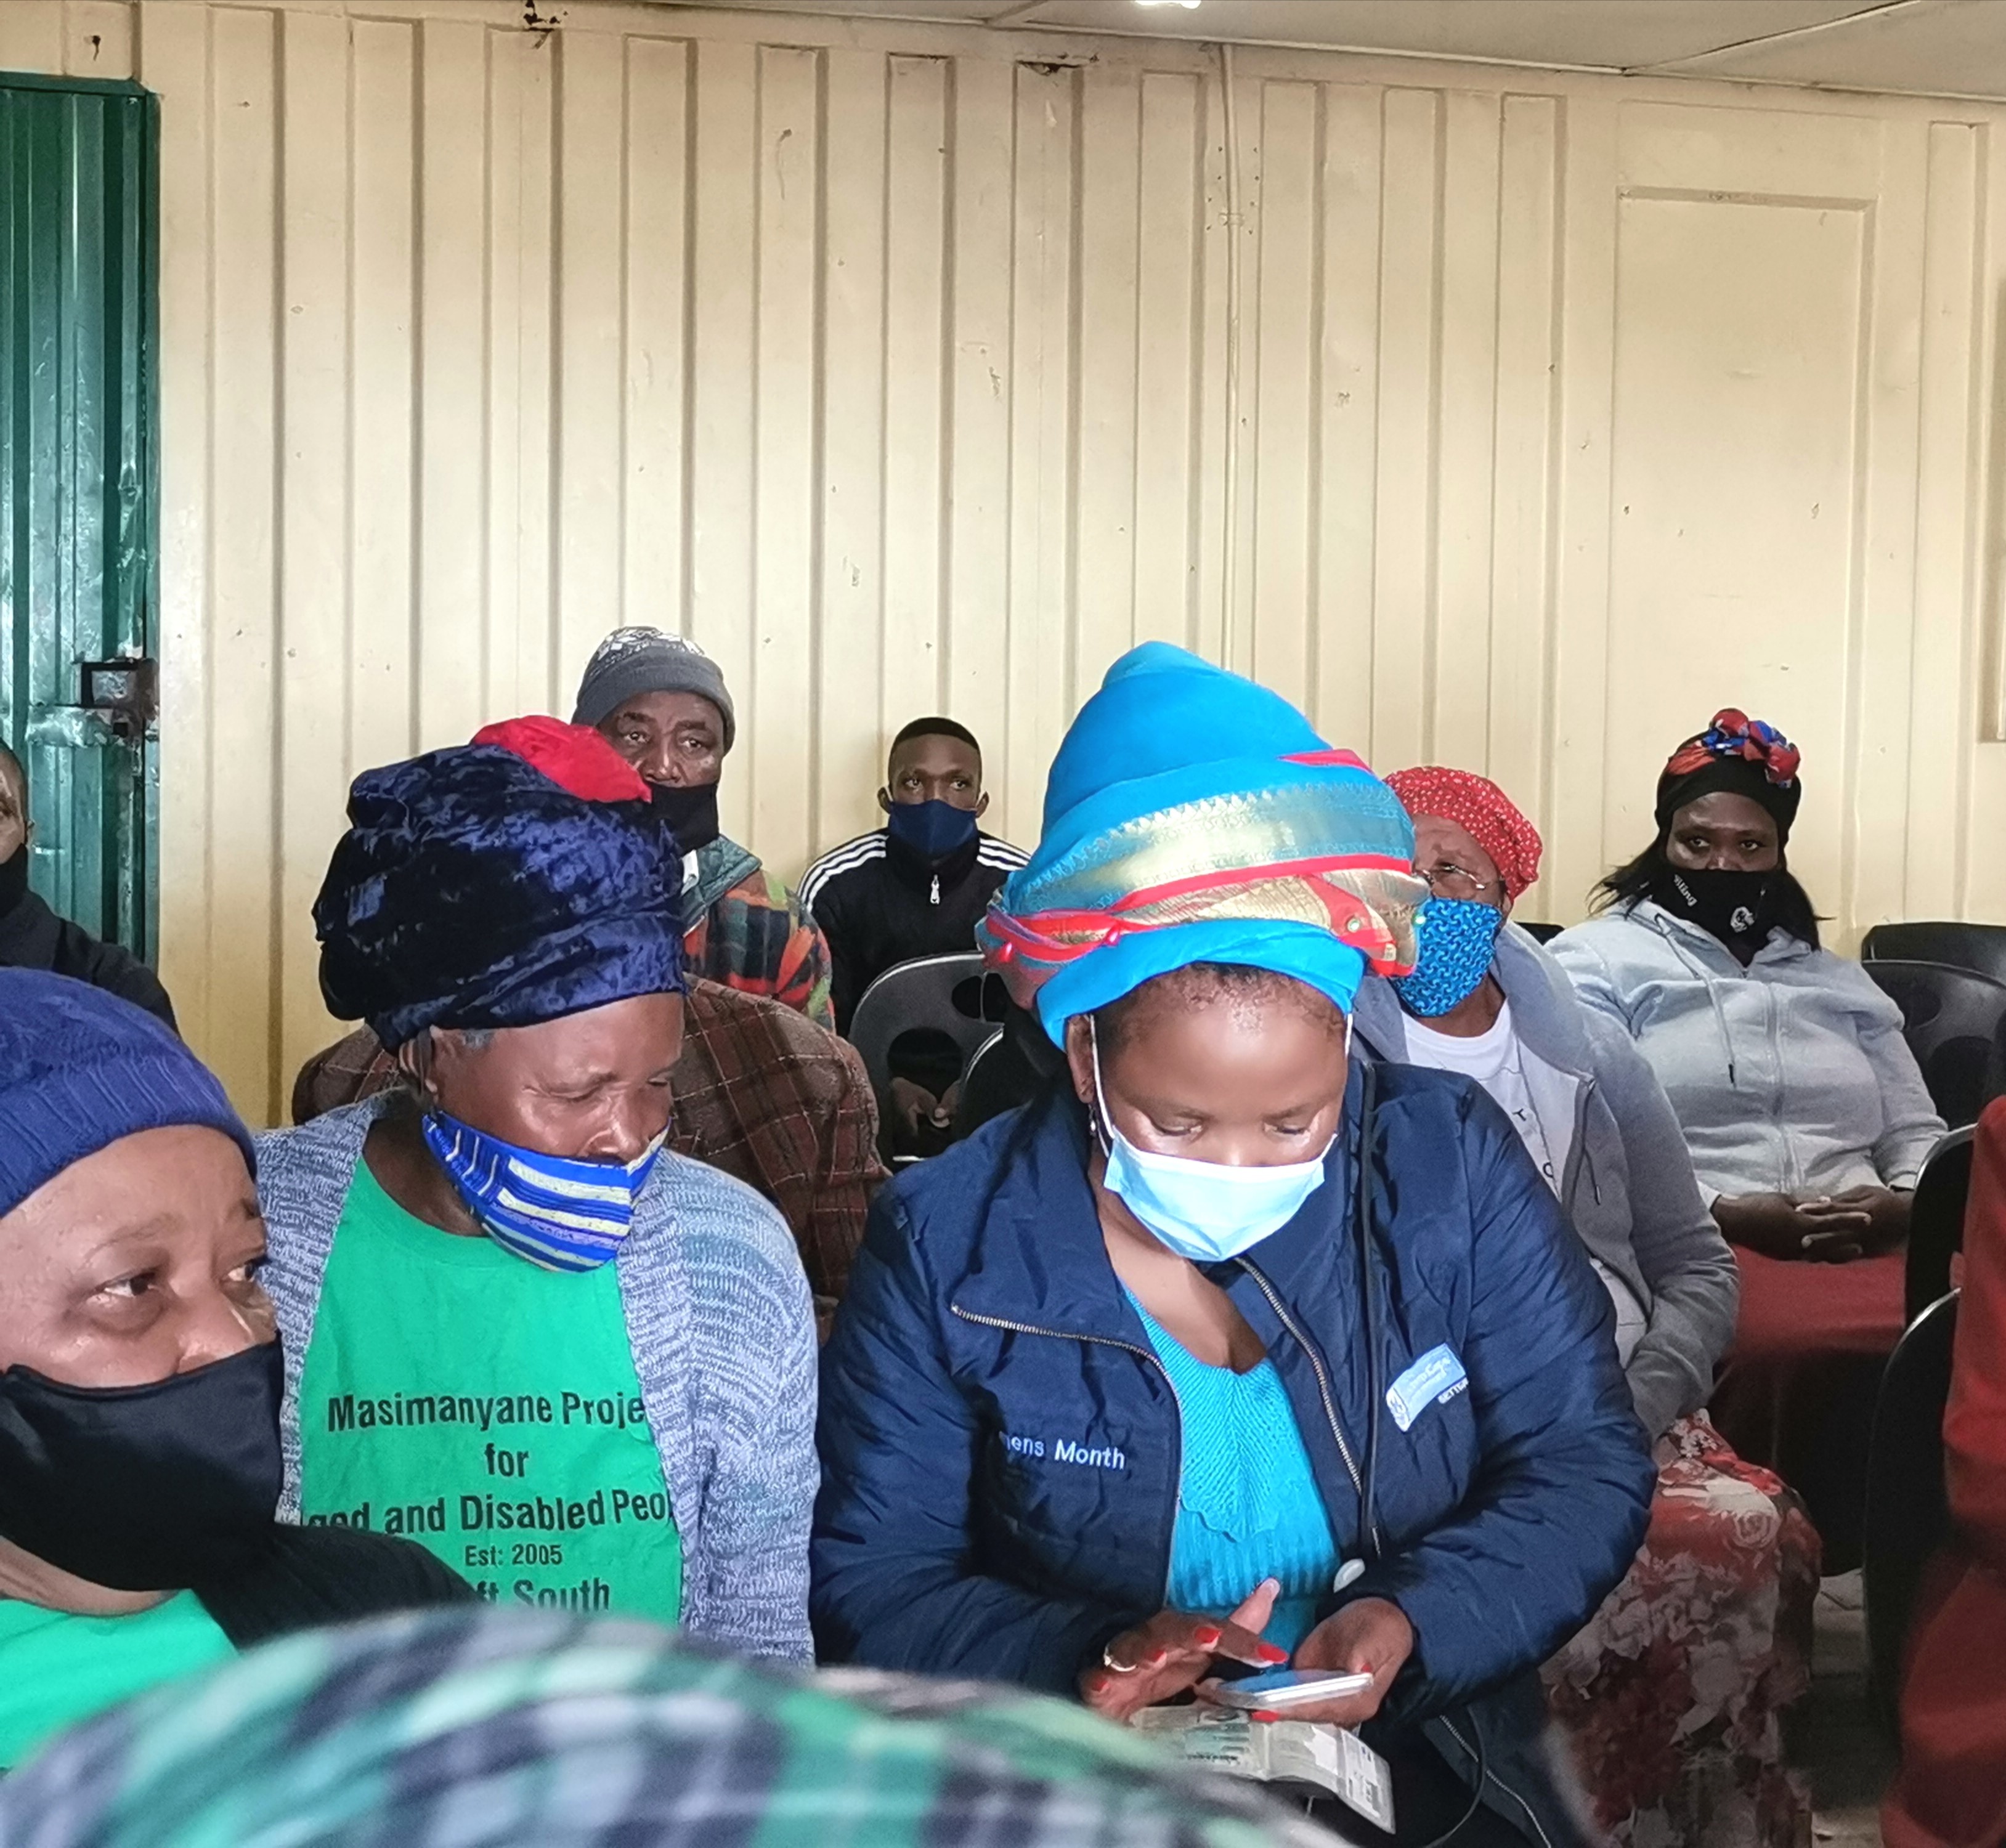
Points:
(1955, 47)
(966, 13)
(1611, 34)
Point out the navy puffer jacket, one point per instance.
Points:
(1000, 1446)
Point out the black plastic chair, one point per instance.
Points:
(1953, 1019)
(1978, 946)
(1540, 933)
(940, 994)
(1008, 1070)
(973, 1071)
(1908, 1510)
(1936, 1221)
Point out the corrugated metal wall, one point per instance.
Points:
(1514, 419)
(77, 579)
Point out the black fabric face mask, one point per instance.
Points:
(1736, 907)
(144, 1488)
(13, 880)
(691, 812)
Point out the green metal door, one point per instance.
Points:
(79, 488)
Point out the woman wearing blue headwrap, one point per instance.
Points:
(1223, 1355)
(520, 1330)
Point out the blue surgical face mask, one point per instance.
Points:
(1457, 938)
(557, 1213)
(1202, 1210)
(935, 831)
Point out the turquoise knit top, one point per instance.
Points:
(1248, 1507)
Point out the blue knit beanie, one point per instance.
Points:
(79, 1069)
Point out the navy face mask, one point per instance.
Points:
(156, 1487)
(935, 831)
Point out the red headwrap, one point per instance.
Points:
(574, 757)
(1477, 803)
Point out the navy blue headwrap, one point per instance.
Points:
(514, 880)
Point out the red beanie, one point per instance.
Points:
(1477, 803)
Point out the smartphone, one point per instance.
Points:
(1282, 1688)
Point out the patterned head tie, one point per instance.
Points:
(1737, 755)
(1477, 805)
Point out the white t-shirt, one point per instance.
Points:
(1496, 1061)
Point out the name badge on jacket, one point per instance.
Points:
(1435, 1378)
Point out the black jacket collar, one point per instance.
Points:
(913, 868)
(28, 935)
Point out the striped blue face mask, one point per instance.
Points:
(558, 1214)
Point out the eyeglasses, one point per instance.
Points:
(1447, 880)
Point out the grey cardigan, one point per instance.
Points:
(1627, 1184)
(723, 1338)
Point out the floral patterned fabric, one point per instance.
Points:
(1671, 1700)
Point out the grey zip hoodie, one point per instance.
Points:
(1791, 1076)
(1626, 1181)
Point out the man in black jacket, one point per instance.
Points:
(33, 936)
(912, 888)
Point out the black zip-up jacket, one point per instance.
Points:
(879, 904)
(33, 936)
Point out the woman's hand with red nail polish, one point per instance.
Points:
(1172, 1652)
(1371, 1636)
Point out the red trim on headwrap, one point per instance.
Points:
(574, 757)
(1057, 937)
(1349, 760)
(1477, 805)
(1253, 876)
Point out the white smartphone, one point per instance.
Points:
(1282, 1688)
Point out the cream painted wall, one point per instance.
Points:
(1511, 419)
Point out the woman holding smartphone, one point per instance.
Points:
(1220, 1355)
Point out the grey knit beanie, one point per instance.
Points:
(646, 660)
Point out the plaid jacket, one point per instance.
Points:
(750, 933)
(760, 1092)
(522, 1729)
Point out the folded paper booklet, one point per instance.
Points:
(1296, 1752)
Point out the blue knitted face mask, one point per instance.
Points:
(1457, 938)
(559, 1214)
(1202, 1210)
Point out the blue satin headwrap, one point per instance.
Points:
(472, 889)
(1192, 816)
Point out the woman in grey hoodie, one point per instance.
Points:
(1805, 1112)
(1669, 1698)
